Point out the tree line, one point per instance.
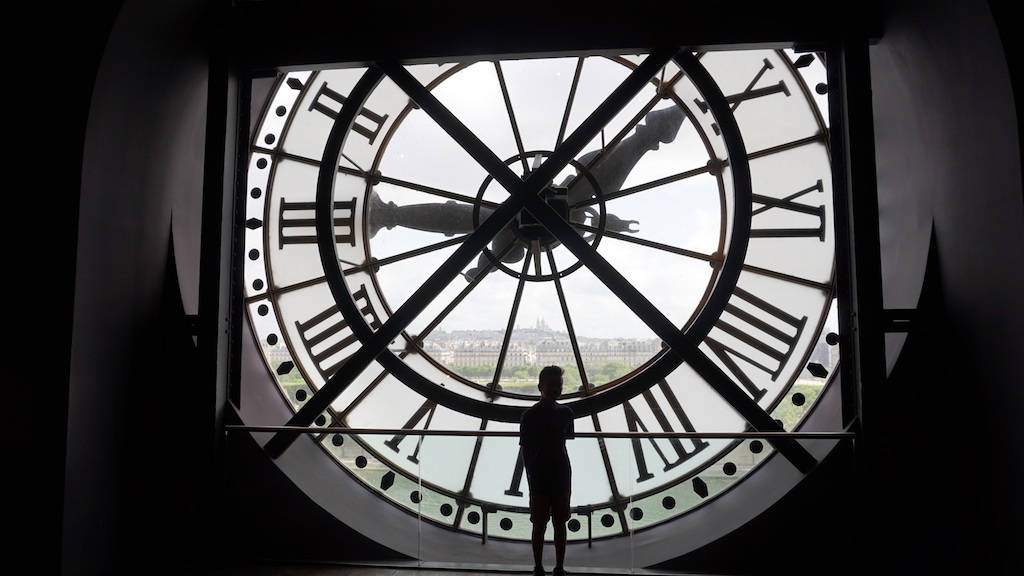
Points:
(596, 374)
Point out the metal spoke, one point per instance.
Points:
(511, 116)
(348, 409)
(406, 255)
(584, 382)
(650, 244)
(470, 472)
(823, 286)
(569, 101)
(513, 314)
(473, 283)
(430, 190)
(821, 138)
(535, 249)
(706, 257)
(613, 195)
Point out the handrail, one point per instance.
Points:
(515, 434)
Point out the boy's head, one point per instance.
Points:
(550, 382)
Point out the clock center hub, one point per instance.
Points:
(578, 199)
(531, 230)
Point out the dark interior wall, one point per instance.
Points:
(57, 64)
(140, 471)
(943, 475)
(107, 349)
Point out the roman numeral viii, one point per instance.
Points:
(328, 337)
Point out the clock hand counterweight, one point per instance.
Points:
(448, 218)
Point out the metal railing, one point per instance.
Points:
(514, 434)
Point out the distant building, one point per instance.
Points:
(538, 346)
(277, 353)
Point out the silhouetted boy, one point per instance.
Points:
(543, 431)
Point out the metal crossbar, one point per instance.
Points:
(514, 434)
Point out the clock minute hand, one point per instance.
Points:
(448, 218)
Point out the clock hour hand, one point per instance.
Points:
(611, 166)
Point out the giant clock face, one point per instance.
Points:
(422, 239)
